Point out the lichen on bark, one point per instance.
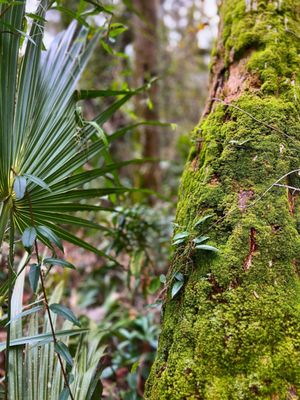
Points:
(233, 330)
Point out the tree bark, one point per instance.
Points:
(233, 329)
(145, 27)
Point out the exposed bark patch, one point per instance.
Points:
(195, 161)
(229, 83)
(292, 394)
(235, 82)
(218, 71)
(252, 248)
(244, 196)
(296, 266)
(216, 85)
(239, 79)
(215, 180)
(275, 228)
(291, 200)
(216, 288)
(234, 283)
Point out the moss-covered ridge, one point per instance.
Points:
(233, 331)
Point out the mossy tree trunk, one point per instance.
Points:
(233, 330)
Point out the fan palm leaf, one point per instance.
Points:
(42, 147)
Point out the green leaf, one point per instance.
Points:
(37, 181)
(134, 367)
(99, 131)
(26, 313)
(200, 239)
(180, 237)
(65, 312)
(42, 339)
(202, 220)
(179, 276)
(106, 47)
(116, 29)
(72, 14)
(28, 237)
(93, 94)
(63, 350)
(50, 235)
(20, 187)
(59, 262)
(35, 17)
(154, 285)
(206, 247)
(34, 275)
(163, 278)
(176, 288)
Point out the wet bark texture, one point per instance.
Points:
(233, 331)
(145, 26)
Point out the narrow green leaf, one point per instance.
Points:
(202, 220)
(200, 239)
(179, 276)
(65, 312)
(63, 350)
(59, 262)
(134, 367)
(28, 237)
(176, 288)
(116, 29)
(179, 241)
(42, 338)
(38, 181)
(50, 235)
(93, 94)
(20, 187)
(35, 17)
(26, 313)
(106, 47)
(34, 274)
(72, 14)
(207, 248)
(181, 235)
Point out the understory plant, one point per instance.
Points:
(35, 371)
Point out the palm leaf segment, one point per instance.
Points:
(41, 144)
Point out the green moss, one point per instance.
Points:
(233, 332)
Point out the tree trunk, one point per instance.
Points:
(233, 329)
(145, 26)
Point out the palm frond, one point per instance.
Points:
(41, 140)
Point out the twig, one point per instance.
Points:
(288, 187)
(51, 322)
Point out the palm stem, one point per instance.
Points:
(4, 217)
